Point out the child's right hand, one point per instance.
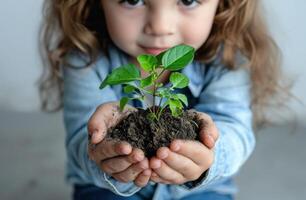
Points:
(117, 159)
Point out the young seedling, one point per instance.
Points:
(173, 59)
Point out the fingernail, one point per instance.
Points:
(154, 174)
(125, 149)
(211, 138)
(175, 146)
(93, 133)
(163, 155)
(94, 136)
(138, 157)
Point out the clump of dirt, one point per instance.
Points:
(149, 135)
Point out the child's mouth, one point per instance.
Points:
(153, 50)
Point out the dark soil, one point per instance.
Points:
(149, 135)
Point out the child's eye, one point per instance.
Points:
(132, 3)
(189, 3)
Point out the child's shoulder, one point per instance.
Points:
(105, 60)
(78, 59)
(217, 69)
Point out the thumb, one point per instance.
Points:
(105, 116)
(97, 129)
(208, 130)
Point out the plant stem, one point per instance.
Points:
(161, 73)
(148, 106)
(159, 104)
(142, 94)
(161, 110)
(154, 91)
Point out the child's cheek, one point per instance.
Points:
(196, 34)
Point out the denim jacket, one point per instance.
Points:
(223, 94)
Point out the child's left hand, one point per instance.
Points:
(185, 160)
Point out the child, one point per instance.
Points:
(235, 70)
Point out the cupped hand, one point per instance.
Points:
(116, 158)
(186, 160)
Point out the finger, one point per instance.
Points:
(110, 148)
(137, 155)
(207, 140)
(96, 133)
(143, 178)
(132, 172)
(207, 127)
(114, 165)
(193, 150)
(96, 126)
(121, 163)
(165, 172)
(183, 165)
(155, 178)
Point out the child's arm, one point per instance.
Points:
(117, 159)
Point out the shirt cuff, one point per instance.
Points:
(122, 189)
(195, 183)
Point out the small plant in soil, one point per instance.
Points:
(158, 125)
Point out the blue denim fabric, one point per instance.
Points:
(91, 192)
(221, 93)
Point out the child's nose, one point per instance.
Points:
(160, 23)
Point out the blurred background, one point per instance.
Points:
(32, 149)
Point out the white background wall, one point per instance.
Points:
(20, 65)
(287, 24)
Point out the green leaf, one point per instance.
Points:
(147, 62)
(147, 81)
(176, 103)
(159, 57)
(179, 80)
(164, 92)
(177, 57)
(123, 102)
(121, 75)
(175, 107)
(182, 98)
(129, 88)
(138, 89)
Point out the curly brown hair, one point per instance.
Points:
(238, 25)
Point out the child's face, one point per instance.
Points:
(149, 26)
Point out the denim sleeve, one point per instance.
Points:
(227, 99)
(81, 97)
